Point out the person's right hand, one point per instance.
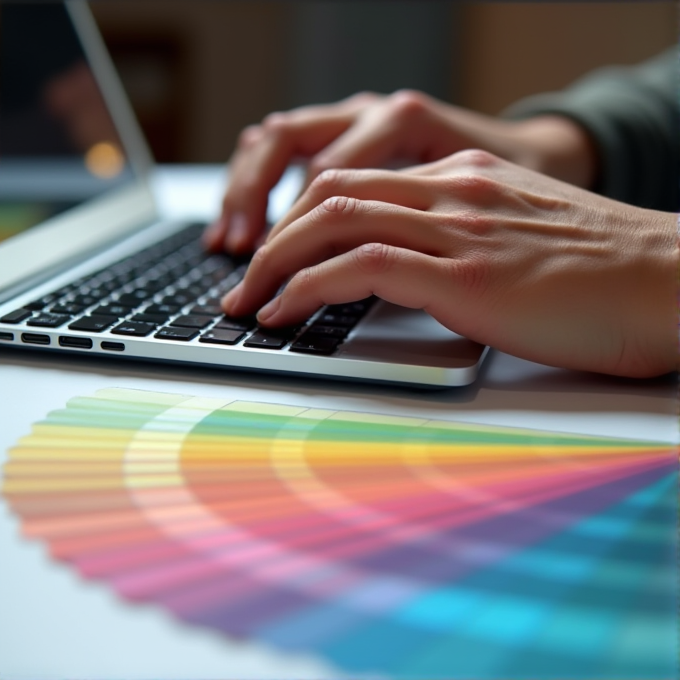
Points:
(370, 131)
(504, 256)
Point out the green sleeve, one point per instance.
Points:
(633, 117)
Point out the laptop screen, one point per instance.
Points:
(58, 143)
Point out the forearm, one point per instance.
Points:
(632, 117)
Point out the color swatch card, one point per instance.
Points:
(389, 547)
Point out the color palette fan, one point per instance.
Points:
(389, 547)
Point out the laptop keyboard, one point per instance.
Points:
(172, 291)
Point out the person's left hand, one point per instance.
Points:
(493, 251)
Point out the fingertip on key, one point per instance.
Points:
(268, 313)
(230, 300)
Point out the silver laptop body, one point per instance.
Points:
(86, 266)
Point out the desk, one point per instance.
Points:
(54, 626)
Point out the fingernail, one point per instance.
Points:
(231, 298)
(268, 312)
(238, 231)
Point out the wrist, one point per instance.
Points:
(655, 295)
(558, 146)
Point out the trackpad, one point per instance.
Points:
(408, 336)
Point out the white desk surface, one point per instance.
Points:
(105, 638)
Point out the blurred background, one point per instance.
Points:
(197, 71)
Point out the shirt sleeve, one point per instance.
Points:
(633, 116)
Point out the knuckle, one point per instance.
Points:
(276, 122)
(474, 222)
(329, 181)
(339, 204)
(249, 136)
(473, 186)
(364, 98)
(373, 258)
(408, 104)
(470, 271)
(476, 158)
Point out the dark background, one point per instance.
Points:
(197, 71)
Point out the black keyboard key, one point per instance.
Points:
(265, 341)
(328, 331)
(179, 269)
(156, 319)
(65, 290)
(271, 338)
(85, 300)
(161, 309)
(153, 287)
(315, 344)
(107, 286)
(344, 320)
(217, 275)
(82, 281)
(112, 310)
(137, 328)
(170, 333)
(192, 321)
(237, 323)
(121, 280)
(94, 324)
(48, 320)
(197, 289)
(135, 298)
(227, 284)
(208, 310)
(222, 337)
(17, 316)
(99, 292)
(352, 308)
(180, 299)
(67, 308)
(41, 303)
(283, 332)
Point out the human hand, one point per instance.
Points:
(371, 131)
(500, 254)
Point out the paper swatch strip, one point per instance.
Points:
(394, 547)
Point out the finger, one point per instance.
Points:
(388, 132)
(339, 224)
(213, 235)
(263, 153)
(378, 185)
(398, 275)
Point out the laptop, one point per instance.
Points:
(87, 266)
